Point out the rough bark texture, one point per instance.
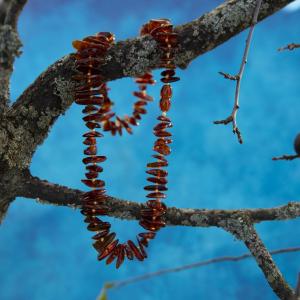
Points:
(26, 124)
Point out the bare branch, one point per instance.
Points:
(121, 283)
(10, 45)
(51, 94)
(238, 78)
(245, 231)
(296, 148)
(289, 47)
(55, 194)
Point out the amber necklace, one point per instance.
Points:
(92, 92)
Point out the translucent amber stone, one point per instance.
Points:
(90, 141)
(89, 108)
(109, 248)
(163, 118)
(101, 244)
(91, 150)
(169, 79)
(166, 91)
(141, 248)
(155, 188)
(121, 256)
(149, 212)
(156, 195)
(157, 164)
(165, 104)
(113, 255)
(100, 234)
(92, 219)
(142, 95)
(93, 183)
(158, 180)
(140, 110)
(93, 159)
(128, 252)
(98, 227)
(92, 125)
(162, 133)
(157, 172)
(93, 134)
(167, 73)
(94, 168)
(152, 226)
(162, 149)
(156, 205)
(91, 175)
(161, 157)
(89, 101)
(135, 250)
(164, 28)
(163, 125)
(93, 194)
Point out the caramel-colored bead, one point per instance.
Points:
(161, 133)
(93, 134)
(89, 141)
(91, 175)
(108, 250)
(121, 256)
(100, 235)
(166, 91)
(143, 96)
(92, 125)
(93, 159)
(141, 247)
(165, 104)
(156, 195)
(157, 164)
(128, 252)
(157, 172)
(94, 168)
(93, 183)
(169, 79)
(160, 157)
(147, 235)
(158, 180)
(91, 150)
(155, 188)
(135, 250)
(102, 243)
(163, 118)
(89, 108)
(163, 125)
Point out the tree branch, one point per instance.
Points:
(49, 193)
(10, 45)
(52, 93)
(121, 283)
(239, 76)
(244, 230)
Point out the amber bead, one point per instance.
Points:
(158, 180)
(94, 168)
(101, 234)
(89, 108)
(92, 125)
(167, 73)
(160, 157)
(148, 212)
(128, 252)
(163, 125)
(162, 149)
(89, 141)
(160, 29)
(152, 225)
(92, 117)
(100, 245)
(93, 183)
(93, 159)
(157, 172)
(141, 248)
(140, 103)
(162, 133)
(93, 134)
(106, 117)
(155, 188)
(98, 227)
(91, 150)
(121, 256)
(132, 121)
(143, 96)
(113, 255)
(166, 91)
(109, 248)
(135, 250)
(145, 81)
(91, 175)
(157, 164)
(140, 110)
(107, 36)
(163, 118)
(165, 104)
(169, 79)
(168, 38)
(157, 195)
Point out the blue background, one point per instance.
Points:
(46, 252)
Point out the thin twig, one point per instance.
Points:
(286, 157)
(117, 284)
(296, 148)
(238, 78)
(290, 47)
